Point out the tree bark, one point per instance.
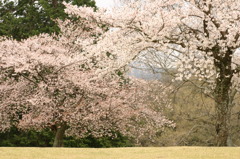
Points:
(55, 3)
(58, 140)
(222, 120)
(223, 100)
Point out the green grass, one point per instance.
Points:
(121, 153)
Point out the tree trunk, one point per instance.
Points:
(58, 140)
(223, 100)
(55, 3)
(222, 120)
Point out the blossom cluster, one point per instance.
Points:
(54, 80)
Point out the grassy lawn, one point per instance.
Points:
(121, 153)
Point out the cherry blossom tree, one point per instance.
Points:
(203, 36)
(52, 81)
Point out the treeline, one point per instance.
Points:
(45, 138)
(192, 111)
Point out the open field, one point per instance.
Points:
(121, 153)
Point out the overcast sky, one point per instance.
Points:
(105, 3)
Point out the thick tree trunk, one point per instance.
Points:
(222, 120)
(223, 100)
(58, 140)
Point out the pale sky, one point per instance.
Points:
(105, 3)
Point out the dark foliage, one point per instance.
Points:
(24, 18)
(32, 138)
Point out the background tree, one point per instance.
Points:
(21, 19)
(204, 35)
